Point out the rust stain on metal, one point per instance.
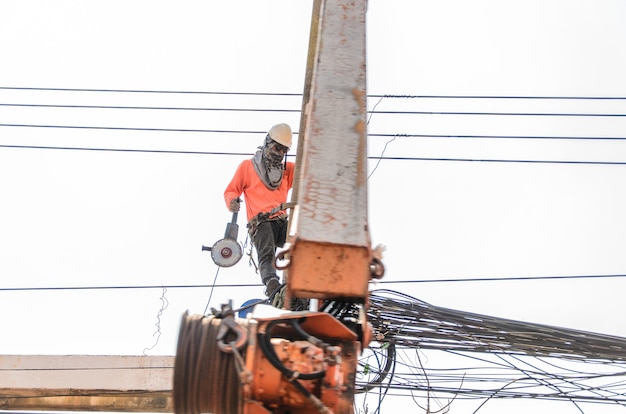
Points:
(361, 177)
(361, 128)
(359, 97)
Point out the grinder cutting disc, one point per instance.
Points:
(226, 252)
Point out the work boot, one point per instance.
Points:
(271, 286)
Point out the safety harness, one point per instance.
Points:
(276, 213)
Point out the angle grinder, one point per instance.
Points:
(227, 251)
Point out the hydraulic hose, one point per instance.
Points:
(270, 354)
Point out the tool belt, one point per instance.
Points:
(273, 214)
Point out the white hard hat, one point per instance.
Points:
(282, 134)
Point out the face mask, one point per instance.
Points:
(273, 153)
(268, 163)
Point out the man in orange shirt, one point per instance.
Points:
(265, 181)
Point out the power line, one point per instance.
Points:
(388, 158)
(147, 91)
(497, 113)
(166, 108)
(517, 359)
(217, 131)
(506, 279)
(478, 160)
(396, 112)
(521, 137)
(123, 287)
(235, 285)
(529, 97)
(152, 151)
(391, 96)
(385, 135)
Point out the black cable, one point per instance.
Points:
(520, 137)
(574, 162)
(385, 135)
(109, 128)
(270, 354)
(173, 108)
(304, 335)
(381, 374)
(529, 97)
(147, 91)
(40, 147)
(196, 286)
(506, 279)
(212, 289)
(122, 287)
(166, 108)
(391, 96)
(498, 113)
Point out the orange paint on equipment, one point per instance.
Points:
(329, 271)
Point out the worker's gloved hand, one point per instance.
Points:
(234, 205)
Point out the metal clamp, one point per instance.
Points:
(229, 324)
(377, 269)
(280, 256)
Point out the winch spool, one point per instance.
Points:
(205, 378)
(228, 365)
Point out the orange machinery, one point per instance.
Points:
(290, 362)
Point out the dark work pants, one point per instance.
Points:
(268, 236)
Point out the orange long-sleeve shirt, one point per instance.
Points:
(257, 197)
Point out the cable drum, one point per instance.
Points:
(205, 378)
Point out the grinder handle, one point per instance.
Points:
(232, 228)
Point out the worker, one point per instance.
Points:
(265, 181)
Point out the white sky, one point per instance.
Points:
(92, 218)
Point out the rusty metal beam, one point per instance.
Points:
(330, 249)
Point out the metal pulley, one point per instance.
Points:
(227, 251)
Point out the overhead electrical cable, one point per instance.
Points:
(486, 160)
(513, 97)
(384, 135)
(496, 137)
(160, 108)
(508, 358)
(393, 96)
(147, 91)
(390, 158)
(152, 151)
(410, 322)
(382, 282)
(216, 131)
(554, 114)
(294, 110)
